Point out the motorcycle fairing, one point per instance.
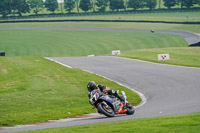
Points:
(120, 110)
(107, 99)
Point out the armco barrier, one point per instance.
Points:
(90, 20)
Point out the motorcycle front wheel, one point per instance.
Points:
(106, 110)
(130, 109)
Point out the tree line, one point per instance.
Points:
(25, 6)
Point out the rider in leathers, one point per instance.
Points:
(102, 89)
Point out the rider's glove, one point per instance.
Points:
(91, 102)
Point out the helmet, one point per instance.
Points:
(91, 86)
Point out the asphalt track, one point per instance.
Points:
(168, 89)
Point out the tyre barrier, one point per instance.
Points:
(2, 53)
(195, 44)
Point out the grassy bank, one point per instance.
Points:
(52, 43)
(33, 89)
(156, 26)
(171, 124)
(185, 56)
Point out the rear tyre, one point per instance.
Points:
(106, 110)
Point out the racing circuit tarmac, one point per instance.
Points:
(168, 89)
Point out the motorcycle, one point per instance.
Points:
(110, 105)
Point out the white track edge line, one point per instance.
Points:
(58, 62)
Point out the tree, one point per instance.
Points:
(61, 5)
(36, 5)
(159, 2)
(21, 6)
(187, 3)
(5, 7)
(151, 4)
(197, 2)
(51, 5)
(116, 4)
(102, 4)
(136, 4)
(69, 5)
(93, 3)
(85, 5)
(77, 5)
(170, 3)
(125, 4)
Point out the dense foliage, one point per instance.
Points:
(116, 4)
(102, 4)
(20, 6)
(170, 3)
(51, 5)
(36, 5)
(136, 4)
(151, 4)
(25, 6)
(69, 5)
(85, 5)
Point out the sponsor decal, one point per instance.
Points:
(163, 56)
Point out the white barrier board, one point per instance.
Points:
(91, 55)
(116, 52)
(163, 56)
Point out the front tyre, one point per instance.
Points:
(130, 109)
(105, 109)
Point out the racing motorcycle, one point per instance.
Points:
(110, 105)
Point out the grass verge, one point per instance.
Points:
(54, 43)
(33, 89)
(185, 56)
(156, 26)
(189, 123)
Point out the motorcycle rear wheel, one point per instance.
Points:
(106, 110)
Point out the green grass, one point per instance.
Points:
(156, 26)
(169, 124)
(33, 89)
(185, 56)
(52, 43)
